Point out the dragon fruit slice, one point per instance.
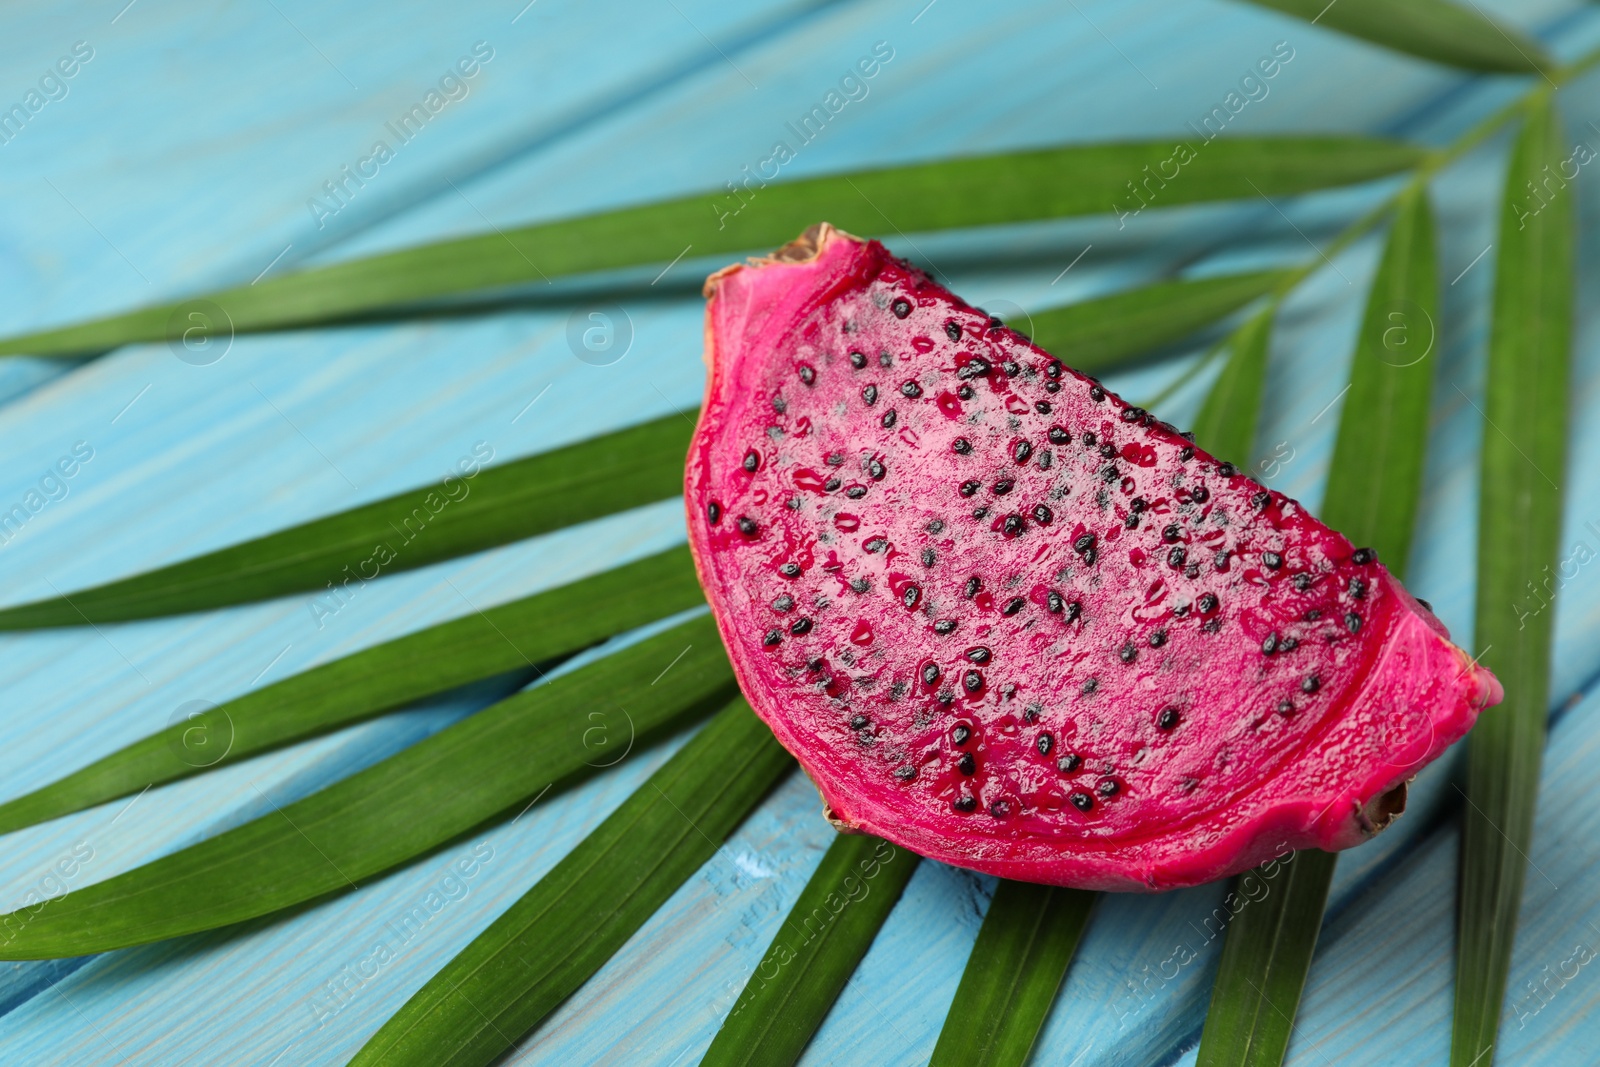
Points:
(1012, 623)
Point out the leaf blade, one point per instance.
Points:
(1519, 525)
(577, 916)
(972, 191)
(1226, 425)
(1011, 979)
(525, 632)
(524, 498)
(775, 1017)
(387, 814)
(1430, 29)
(1374, 487)
(1096, 335)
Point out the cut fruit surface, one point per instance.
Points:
(1008, 621)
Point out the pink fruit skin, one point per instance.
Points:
(1232, 784)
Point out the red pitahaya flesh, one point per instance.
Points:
(1012, 623)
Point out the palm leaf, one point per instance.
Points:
(1226, 425)
(463, 513)
(1445, 32)
(1519, 525)
(1098, 335)
(975, 191)
(814, 953)
(393, 811)
(1011, 979)
(1374, 486)
(576, 917)
(523, 633)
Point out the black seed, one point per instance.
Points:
(1043, 743)
(976, 367)
(960, 733)
(1022, 451)
(1096, 393)
(1424, 603)
(831, 484)
(1176, 556)
(1128, 653)
(1067, 764)
(1138, 504)
(897, 690)
(1011, 367)
(1107, 787)
(1000, 808)
(875, 544)
(1074, 610)
(1261, 500)
(773, 637)
(800, 626)
(1042, 406)
(981, 513)
(1053, 369)
(1012, 525)
(747, 526)
(752, 460)
(856, 492)
(1285, 707)
(966, 803)
(859, 722)
(1084, 542)
(952, 331)
(1192, 571)
(972, 681)
(790, 570)
(1171, 533)
(870, 395)
(1131, 414)
(885, 359)
(714, 512)
(928, 557)
(1302, 581)
(1108, 450)
(875, 469)
(905, 773)
(901, 307)
(961, 446)
(936, 526)
(1310, 684)
(784, 602)
(966, 764)
(1269, 644)
(911, 596)
(1013, 606)
(944, 626)
(1167, 719)
(911, 389)
(1131, 522)
(1090, 687)
(1058, 436)
(1200, 494)
(779, 405)
(1363, 556)
(1089, 439)
(1226, 470)
(858, 360)
(979, 654)
(1207, 603)
(930, 673)
(860, 585)
(1042, 515)
(835, 459)
(889, 419)
(1053, 602)
(945, 698)
(1158, 639)
(1358, 588)
(972, 587)
(968, 488)
(1185, 454)
(1220, 560)
(808, 373)
(1211, 626)
(964, 392)
(1288, 644)
(1352, 622)
(1002, 487)
(1081, 801)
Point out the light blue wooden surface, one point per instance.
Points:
(183, 157)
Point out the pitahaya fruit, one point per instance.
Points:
(1012, 623)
